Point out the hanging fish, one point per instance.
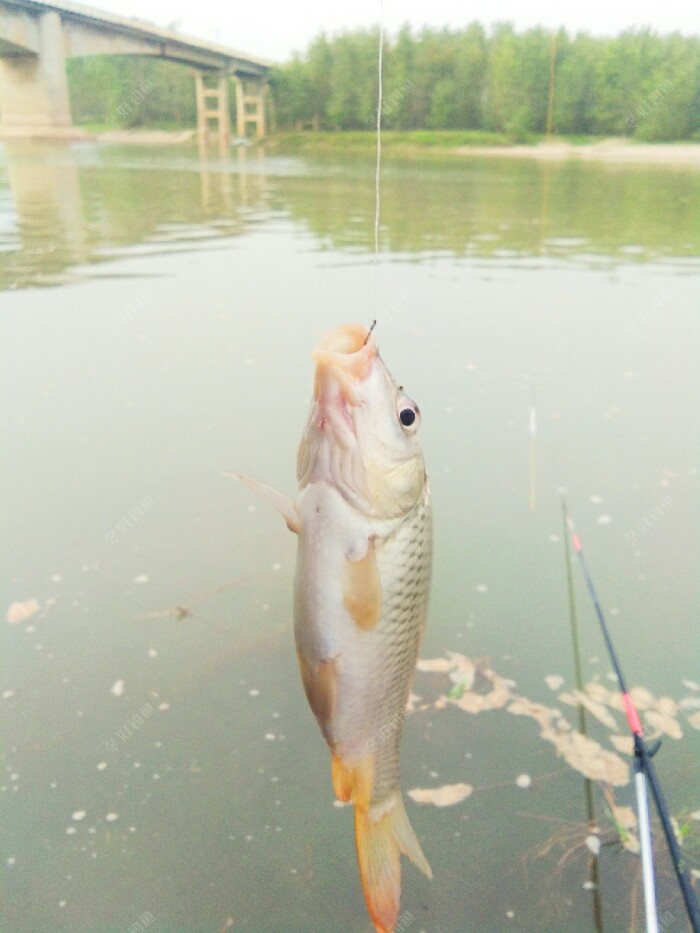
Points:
(363, 520)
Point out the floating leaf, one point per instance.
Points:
(472, 702)
(464, 673)
(642, 697)
(623, 743)
(600, 693)
(434, 665)
(20, 612)
(586, 755)
(554, 681)
(578, 698)
(667, 706)
(663, 724)
(456, 691)
(523, 780)
(462, 663)
(593, 844)
(444, 796)
(521, 706)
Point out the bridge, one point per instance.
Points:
(37, 37)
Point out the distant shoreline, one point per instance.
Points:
(618, 150)
(609, 150)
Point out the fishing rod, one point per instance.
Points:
(644, 771)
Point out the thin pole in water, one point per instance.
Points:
(533, 447)
(645, 766)
(578, 671)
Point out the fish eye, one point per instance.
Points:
(409, 414)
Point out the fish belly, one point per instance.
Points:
(357, 679)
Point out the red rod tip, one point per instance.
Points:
(631, 713)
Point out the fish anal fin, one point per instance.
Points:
(321, 687)
(342, 778)
(362, 589)
(281, 503)
(380, 842)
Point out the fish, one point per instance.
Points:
(362, 515)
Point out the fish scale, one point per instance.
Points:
(404, 567)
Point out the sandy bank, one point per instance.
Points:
(608, 150)
(614, 150)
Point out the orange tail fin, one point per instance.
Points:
(379, 846)
(381, 839)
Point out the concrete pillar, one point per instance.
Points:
(240, 109)
(213, 105)
(250, 106)
(34, 88)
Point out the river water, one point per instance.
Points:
(162, 770)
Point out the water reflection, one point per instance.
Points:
(157, 374)
(73, 205)
(70, 206)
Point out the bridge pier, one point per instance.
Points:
(33, 83)
(250, 107)
(212, 105)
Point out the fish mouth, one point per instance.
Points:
(343, 360)
(329, 450)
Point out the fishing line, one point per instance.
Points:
(380, 92)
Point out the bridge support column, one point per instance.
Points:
(34, 87)
(212, 104)
(250, 107)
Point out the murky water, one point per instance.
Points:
(158, 314)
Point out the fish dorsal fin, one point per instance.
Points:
(283, 504)
(362, 589)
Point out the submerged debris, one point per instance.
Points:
(444, 796)
(478, 688)
(21, 611)
(554, 681)
(601, 713)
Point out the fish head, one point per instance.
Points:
(362, 433)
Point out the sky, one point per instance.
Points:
(275, 28)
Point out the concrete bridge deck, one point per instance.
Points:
(37, 37)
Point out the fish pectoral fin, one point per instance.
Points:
(362, 589)
(380, 843)
(321, 688)
(283, 504)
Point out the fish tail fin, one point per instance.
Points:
(380, 842)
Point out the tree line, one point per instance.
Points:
(517, 83)
(636, 84)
